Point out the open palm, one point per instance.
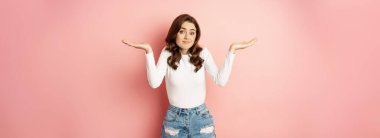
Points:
(144, 46)
(244, 44)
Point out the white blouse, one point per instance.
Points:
(186, 88)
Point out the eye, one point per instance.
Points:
(192, 33)
(181, 31)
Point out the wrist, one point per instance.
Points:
(148, 50)
(232, 49)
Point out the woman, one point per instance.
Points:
(184, 63)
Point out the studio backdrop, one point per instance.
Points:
(314, 72)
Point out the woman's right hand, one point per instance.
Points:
(144, 46)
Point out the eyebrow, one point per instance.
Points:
(185, 28)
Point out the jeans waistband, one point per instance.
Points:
(184, 110)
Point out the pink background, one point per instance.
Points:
(313, 74)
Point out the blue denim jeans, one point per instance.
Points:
(194, 122)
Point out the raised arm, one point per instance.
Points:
(155, 73)
(220, 77)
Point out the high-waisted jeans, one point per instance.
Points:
(194, 122)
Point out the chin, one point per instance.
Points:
(185, 46)
(188, 47)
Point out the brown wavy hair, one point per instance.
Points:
(173, 48)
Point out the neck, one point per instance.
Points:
(183, 51)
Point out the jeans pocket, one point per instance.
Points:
(205, 114)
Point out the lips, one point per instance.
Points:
(185, 42)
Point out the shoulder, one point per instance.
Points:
(205, 53)
(165, 52)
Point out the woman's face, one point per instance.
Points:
(186, 35)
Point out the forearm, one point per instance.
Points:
(153, 73)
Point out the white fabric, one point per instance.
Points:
(185, 88)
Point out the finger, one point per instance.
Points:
(129, 43)
(253, 40)
(125, 42)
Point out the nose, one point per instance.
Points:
(185, 36)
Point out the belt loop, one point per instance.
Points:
(198, 111)
(178, 110)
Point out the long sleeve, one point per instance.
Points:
(155, 73)
(220, 77)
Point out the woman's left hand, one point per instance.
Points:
(242, 45)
